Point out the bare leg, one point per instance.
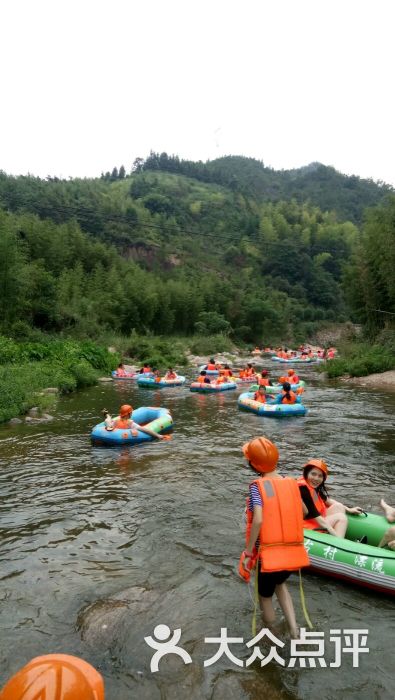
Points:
(268, 612)
(389, 539)
(285, 600)
(338, 522)
(388, 510)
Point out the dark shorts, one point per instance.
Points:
(268, 582)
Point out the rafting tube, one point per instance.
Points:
(246, 380)
(273, 410)
(213, 388)
(209, 372)
(292, 360)
(277, 388)
(149, 382)
(347, 559)
(157, 419)
(130, 375)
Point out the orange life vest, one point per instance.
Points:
(211, 367)
(249, 372)
(291, 400)
(281, 534)
(201, 379)
(146, 370)
(319, 503)
(122, 423)
(227, 372)
(171, 375)
(242, 373)
(259, 397)
(264, 381)
(121, 373)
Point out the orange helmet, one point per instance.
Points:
(125, 410)
(55, 675)
(291, 371)
(281, 380)
(262, 454)
(319, 464)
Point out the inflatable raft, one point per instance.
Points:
(212, 388)
(292, 360)
(150, 382)
(273, 410)
(349, 560)
(276, 388)
(209, 372)
(131, 375)
(157, 419)
(246, 380)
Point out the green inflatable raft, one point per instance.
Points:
(351, 560)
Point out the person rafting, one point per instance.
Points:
(203, 378)
(260, 395)
(323, 511)
(293, 377)
(211, 365)
(226, 371)
(170, 374)
(287, 396)
(389, 537)
(125, 422)
(274, 502)
(145, 369)
(121, 371)
(264, 379)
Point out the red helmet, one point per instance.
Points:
(262, 454)
(125, 410)
(55, 675)
(264, 372)
(318, 464)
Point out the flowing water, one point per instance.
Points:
(100, 545)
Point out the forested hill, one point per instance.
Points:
(165, 253)
(318, 184)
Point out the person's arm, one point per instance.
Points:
(255, 528)
(151, 432)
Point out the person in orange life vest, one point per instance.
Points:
(274, 535)
(330, 354)
(287, 396)
(211, 365)
(264, 378)
(125, 422)
(203, 378)
(156, 373)
(226, 371)
(260, 395)
(170, 374)
(145, 369)
(121, 372)
(292, 377)
(242, 373)
(249, 370)
(322, 510)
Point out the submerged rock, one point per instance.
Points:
(15, 421)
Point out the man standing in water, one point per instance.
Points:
(274, 534)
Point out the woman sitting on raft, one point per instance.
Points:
(287, 396)
(121, 371)
(260, 395)
(292, 377)
(264, 378)
(170, 374)
(323, 511)
(226, 372)
(125, 422)
(203, 378)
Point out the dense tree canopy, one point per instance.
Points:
(175, 252)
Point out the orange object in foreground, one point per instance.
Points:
(55, 677)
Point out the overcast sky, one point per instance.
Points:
(90, 84)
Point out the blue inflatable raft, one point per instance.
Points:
(157, 419)
(277, 388)
(292, 360)
(272, 410)
(149, 382)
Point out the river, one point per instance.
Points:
(99, 545)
